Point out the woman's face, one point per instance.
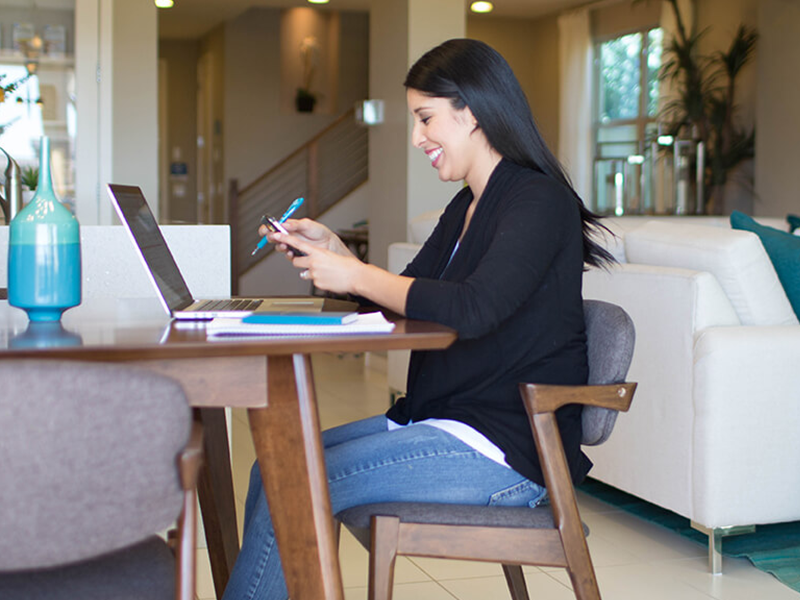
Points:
(449, 137)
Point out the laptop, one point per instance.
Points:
(177, 300)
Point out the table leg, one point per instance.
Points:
(215, 490)
(289, 448)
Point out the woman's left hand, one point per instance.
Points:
(328, 271)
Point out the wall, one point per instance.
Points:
(388, 157)
(117, 112)
(181, 57)
(424, 190)
(778, 113)
(402, 181)
(258, 133)
(133, 102)
(531, 48)
(211, 152)
(319, 63)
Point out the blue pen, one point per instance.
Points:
(292, 207)
(289, 211)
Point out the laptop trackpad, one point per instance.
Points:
(306, 304)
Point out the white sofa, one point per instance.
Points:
(712, 434)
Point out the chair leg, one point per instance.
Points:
(385, 533)
(584, 581)
(516, 582)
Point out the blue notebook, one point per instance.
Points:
(307, 324)
(301, 318)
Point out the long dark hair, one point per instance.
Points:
(472, 73)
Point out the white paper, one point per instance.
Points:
(373, 322)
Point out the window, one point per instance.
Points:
(38, 54)
(626, 106)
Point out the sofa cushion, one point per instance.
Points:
(421, 226)
(736, 258)
(783, 250)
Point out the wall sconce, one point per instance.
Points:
(369, 112)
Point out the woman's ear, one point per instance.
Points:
(470, 119)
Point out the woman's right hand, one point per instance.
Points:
(311, 232)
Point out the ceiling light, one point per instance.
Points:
(318, 1)
(481, 7)
(164, 3)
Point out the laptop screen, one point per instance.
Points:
(137, 217)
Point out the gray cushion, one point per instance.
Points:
(357, 519)
(145, 571)
(610, 337)
(88, 455)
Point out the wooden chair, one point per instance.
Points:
(515, 536)
(96, 460)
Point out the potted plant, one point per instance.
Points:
(703, 107)
(30, 177)
(305, 99)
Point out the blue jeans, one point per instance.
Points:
(367, 463)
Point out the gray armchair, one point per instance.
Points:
(95, 460)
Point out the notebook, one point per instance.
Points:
(363, 323)
(177, 300)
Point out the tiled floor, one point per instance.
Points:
(634, 560)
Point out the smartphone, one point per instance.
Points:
(275, 226)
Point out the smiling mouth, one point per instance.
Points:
(434, 155)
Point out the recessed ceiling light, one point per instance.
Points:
(481, 7)
(318, 1)
(164, 3)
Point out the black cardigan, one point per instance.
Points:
(513, 293)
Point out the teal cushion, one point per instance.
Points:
(794, 222)
(784, 251)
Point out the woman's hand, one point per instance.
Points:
(309, 231)
(327, 269)
(342, 273)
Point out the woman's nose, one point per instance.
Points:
(416, 136)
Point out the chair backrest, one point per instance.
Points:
(610, 338)
(88, 459)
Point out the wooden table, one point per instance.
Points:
(272, 377)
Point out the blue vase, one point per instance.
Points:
(44, 252)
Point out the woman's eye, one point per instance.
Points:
(424, 120)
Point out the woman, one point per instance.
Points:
(503, 267)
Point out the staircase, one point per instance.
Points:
(323, 171)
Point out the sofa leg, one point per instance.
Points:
(715, 536)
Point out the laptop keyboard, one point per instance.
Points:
(227, 305)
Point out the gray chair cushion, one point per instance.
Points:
(357, 519)
(145, 571)
(88, 459)
(610, 338)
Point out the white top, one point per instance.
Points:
(470, 436)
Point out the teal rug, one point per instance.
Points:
(774, 549)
